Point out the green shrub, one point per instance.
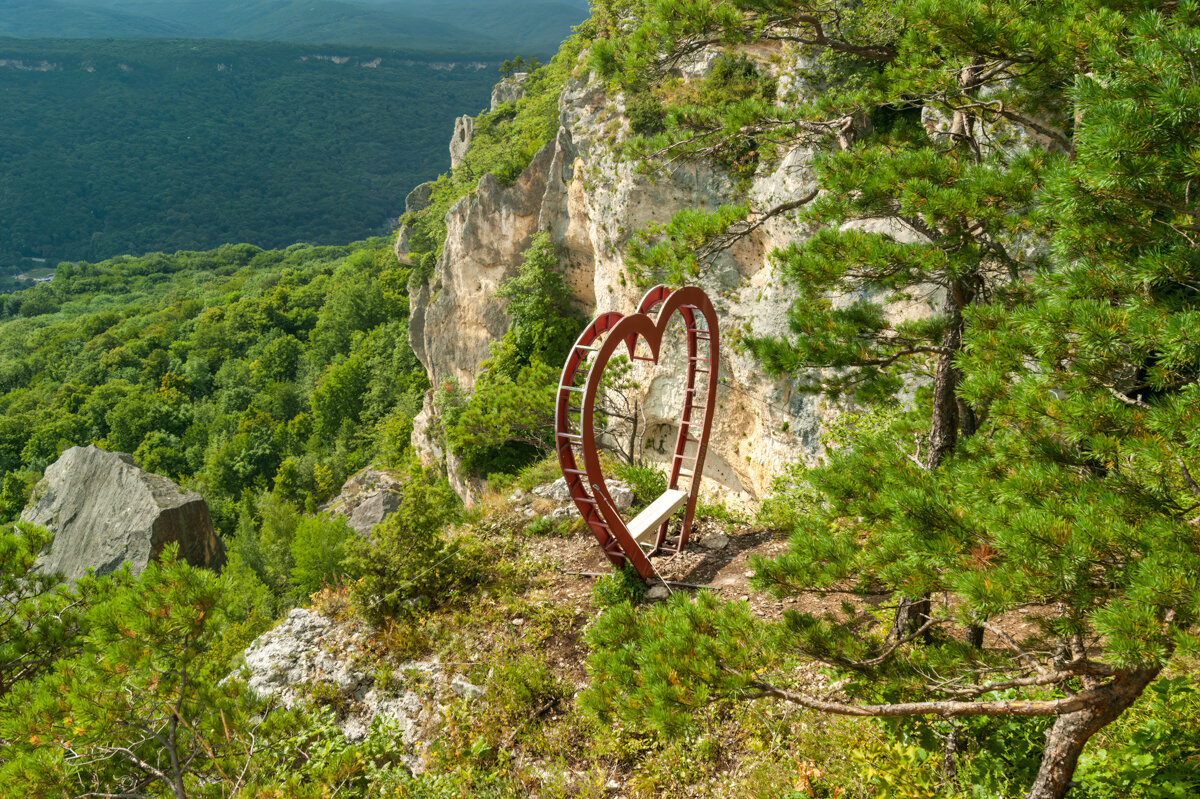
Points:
(408, 561)
(647, 481)
(623, 585)
(1152, 751)
(646, 115)
(546, 527)
(318, 548)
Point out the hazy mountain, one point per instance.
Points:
(500, 27)
(32, 19)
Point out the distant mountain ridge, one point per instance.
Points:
(127, 146)
(492, 27)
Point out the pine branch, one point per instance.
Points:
(740, 230)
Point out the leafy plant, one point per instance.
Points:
(408, 562)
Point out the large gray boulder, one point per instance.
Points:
(366, 499)
(104, 512)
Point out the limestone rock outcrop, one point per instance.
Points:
(417, 200)
(460, 142)
(592, 202)
(309, 653)
(366, 499)
(509, 90)
(455, 316)
(104, 512)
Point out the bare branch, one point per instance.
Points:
(1187, 475)
(739, 230)
(1135, 402)
(943, 708)
(1025, 657)
(887, 652)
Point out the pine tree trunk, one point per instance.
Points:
(912, 612)
(943, 424)
(1071, 731)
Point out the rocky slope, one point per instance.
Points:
(592, 202)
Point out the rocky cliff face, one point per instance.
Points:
(105, 512)
(592, 202)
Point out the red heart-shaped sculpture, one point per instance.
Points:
(575, 433)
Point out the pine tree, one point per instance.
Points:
(134, 709)
(1048, 466)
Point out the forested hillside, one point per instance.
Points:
(227, 368)
(116, 147)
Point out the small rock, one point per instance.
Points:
(562, 513)
(529, 513)
(518, 621)
(516, 496)
(622, 495)
(658, 592)
(745, 597)
(715, 542)
(462, 687)
(556, 491)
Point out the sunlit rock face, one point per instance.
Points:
(592, 202)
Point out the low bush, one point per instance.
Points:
(409, 561)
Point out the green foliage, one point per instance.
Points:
(408, 562)
(319, 546)
(135, 692)
(624, 585)
(507, 423)
(39, 617)
(15, 490)
(647, 480)
(653, 667)
(118, 150)
(1046, 458)
(519, 688)
(539, 302)
(230, 370)
(1152, 752)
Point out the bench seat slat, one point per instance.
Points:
(646, 523)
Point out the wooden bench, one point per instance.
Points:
(644, 526)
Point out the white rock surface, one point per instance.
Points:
(509, 90)
(308, 649)
(366, 499)
(460, 142)
(621, 493)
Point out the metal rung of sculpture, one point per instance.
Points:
(637, 540)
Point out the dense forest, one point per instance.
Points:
(120, 147)
(987, 586)
(448, 28)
